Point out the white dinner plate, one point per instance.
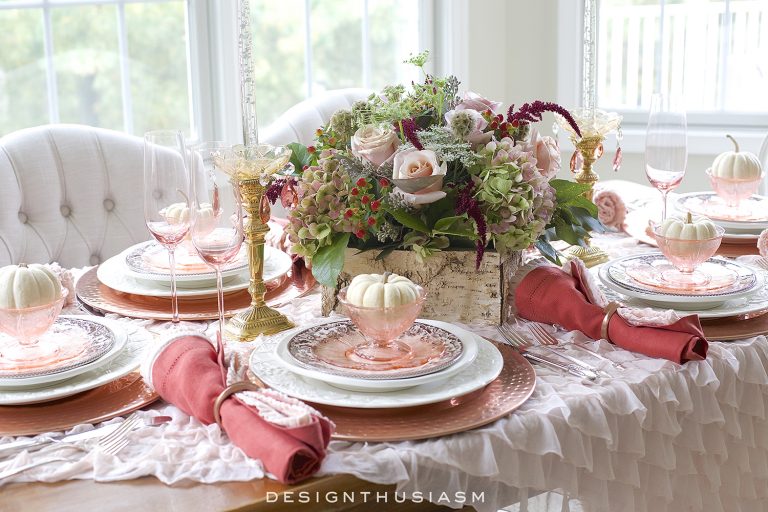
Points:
(698, 203)
(137, 268)
(468, 355)
(116, 332)
(613, 277)
(482, 371)
(124, 363)
(112, 273)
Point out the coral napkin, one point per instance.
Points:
(550, 295)
(187, 372)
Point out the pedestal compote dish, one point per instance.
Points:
(735, 175)
(687, 243)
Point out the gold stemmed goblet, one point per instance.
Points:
(251, 169)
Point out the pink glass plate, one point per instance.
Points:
(151, 258)
(70, 343)
(709, 204)
(328, 348)
(646, 274)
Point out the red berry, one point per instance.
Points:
(383, 182)
(371, 221)
(305, 168)
(354, 191)
(311, 149)
(494, 125)
(504, 126)
(349, 213)
(319, 132)
(375, 205)
(360, 233)
(516, 123)
(361, 182)
(332, 141)
(488, 113)
(365, 199)
(500, 117)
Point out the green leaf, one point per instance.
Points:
(299, 156)
(546, 250)
(567, 191)
(328, 262)
(457, 226)
(587, 220)
(565, 231)
(583, 202)
(385, 252)
(408, 220)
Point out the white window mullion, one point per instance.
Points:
(50, 67)
(366, 46)
(308, 46)
(725, 47)
(125, 69)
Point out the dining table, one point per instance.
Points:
(653, 435)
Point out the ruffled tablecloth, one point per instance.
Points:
(658, 436)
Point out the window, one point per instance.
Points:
(712, 52)
(119, 64)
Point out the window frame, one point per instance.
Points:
(705, 130)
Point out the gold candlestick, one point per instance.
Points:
(252, 168)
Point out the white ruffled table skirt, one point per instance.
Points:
(657, 437)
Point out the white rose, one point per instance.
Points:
(374, 143)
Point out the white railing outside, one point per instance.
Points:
(714, 53)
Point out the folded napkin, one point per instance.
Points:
(289, 437)
(569, 298)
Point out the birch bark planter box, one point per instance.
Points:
(456, 292)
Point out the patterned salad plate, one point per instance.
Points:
(85, 344)
(640, 277)
(472, 377)
(148, 261)
(751, 215)
(320, 352)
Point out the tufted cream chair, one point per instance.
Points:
(69, 193)
(298, 123)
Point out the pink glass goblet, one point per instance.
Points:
(381, 327)
(734, 190)
(24, 328)
(686, 255)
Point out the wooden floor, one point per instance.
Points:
(149, 494)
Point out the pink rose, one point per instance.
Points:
(762, 243)
(417, 176)
(547, 156)
(374, 143)
(473, 101)
(611, 209)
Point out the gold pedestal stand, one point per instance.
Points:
(591, 149)
(258, 318)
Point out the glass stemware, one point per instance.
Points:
(217, 221)
(166, 195)
(666, 145)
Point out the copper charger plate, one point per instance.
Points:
(103, 299)
(735, 327)
(117, 398)
(510, 390)
(636, 226)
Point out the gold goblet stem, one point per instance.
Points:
(588, 147)
(258, 318)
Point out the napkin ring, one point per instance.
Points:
(228, 391)
(609, 310)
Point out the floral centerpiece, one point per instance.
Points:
(424, 169)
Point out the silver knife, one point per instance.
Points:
(40, 442)
(573, 369)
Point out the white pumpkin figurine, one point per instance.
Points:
(26, 286)
(737, 165)
(689, 228)
(382, 291)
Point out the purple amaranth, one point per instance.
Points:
(409, 131)
(274, 189)
(465, 203)
(531, 112)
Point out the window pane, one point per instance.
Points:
(157, 45)
(394, 30)
(23, 96)
(278, 58)
(716, 58)
(336, 44)
(88, 65)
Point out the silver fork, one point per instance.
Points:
(516, 340)
(547, 339)
(110, 444)
(762, 263)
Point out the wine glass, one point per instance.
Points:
(166, 196)
(217, 222)
(666, 147)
